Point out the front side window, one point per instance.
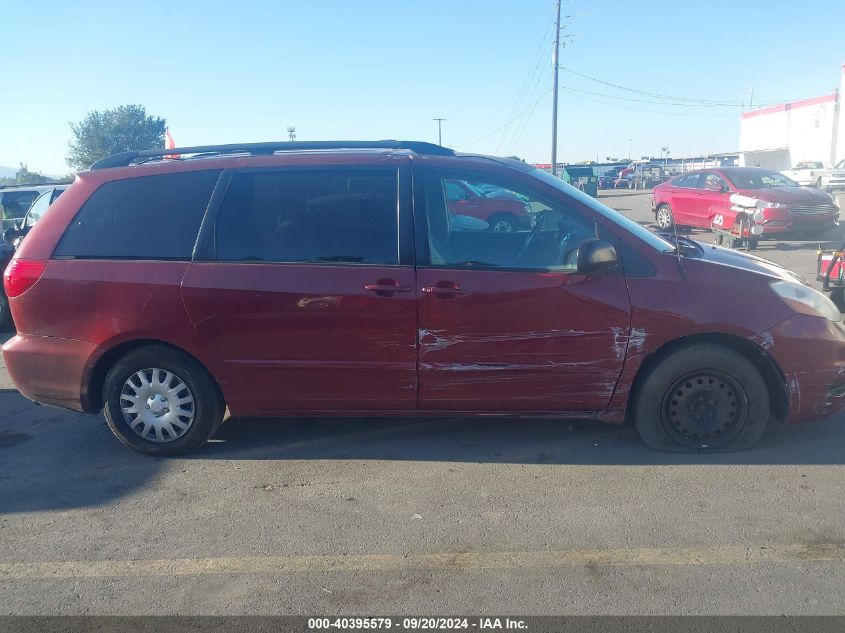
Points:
(322, 217)
(713, 183)
(150, 217)
(507, 227)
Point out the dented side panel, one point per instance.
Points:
(531, 341)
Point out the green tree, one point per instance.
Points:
(121, 129)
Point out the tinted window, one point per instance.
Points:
(316, 217)
(506, 227)
(16, 203)
(152, 217)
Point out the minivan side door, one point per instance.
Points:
(303, 292)
(506, 321)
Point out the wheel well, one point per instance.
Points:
(93, 400)
(765, 364)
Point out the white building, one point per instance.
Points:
(780, 136)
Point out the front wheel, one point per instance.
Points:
(159, 401)
(702, 398)
(664, 217)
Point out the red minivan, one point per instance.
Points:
(329, 278)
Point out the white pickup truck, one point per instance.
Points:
(808, 174)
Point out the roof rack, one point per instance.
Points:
(126, 158)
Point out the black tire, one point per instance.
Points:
(207, 406)
(501, 220)
(6, 324)
(720, 239)
(664, 208)
(667, 406)
(753, 244)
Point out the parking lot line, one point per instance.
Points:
(716, 555)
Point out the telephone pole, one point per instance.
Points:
(554, 90)
(439, 130)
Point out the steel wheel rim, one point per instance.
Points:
(704, 409)
(664, 218)
(157, 405)
(502, 226)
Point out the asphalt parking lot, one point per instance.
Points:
(424, 516)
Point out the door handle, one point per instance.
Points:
(386, 287)
(444, 290)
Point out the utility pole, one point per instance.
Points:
(751, 99)
(292, 133)
(554, 90)
(439, 130)
(630, 140)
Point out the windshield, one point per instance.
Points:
(639, 231)
(756, 178)
(808, 166)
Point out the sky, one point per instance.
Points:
(225, 72)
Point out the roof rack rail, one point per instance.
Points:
(126, 158)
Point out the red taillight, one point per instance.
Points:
(21, 275)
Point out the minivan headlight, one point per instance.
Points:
(806, 300)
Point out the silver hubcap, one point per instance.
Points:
(502, 226)
(664, 218)
(157, 405)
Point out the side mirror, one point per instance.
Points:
(596, 256)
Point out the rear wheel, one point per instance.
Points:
(502, 223)
(702, 398)
(159, 401)
(663, 216)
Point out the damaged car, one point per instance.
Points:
(294, 282)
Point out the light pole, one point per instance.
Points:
(439, 130)
(629, 148)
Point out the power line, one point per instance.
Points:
(651, 101)
(499, 129)
(625, 107)
(657, 95)
(522, 96)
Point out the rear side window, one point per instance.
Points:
(151, 217)
(688, 180)
(335, 216)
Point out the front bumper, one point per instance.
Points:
(49, 370)
(811, 353)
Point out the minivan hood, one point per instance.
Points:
(788, 195)
(744, 261)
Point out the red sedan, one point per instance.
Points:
(702, 199)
